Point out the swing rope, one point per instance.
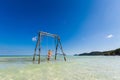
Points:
(46, 47)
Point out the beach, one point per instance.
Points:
(75, 68)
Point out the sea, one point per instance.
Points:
(21, 67)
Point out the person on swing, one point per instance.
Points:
(49, 54)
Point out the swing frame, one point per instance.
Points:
(38, 45)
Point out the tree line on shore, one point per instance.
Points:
(104, 53)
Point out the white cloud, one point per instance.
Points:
(34, 38)
(109, 36)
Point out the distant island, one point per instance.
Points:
(104, 53)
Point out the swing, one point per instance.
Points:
(57, 44)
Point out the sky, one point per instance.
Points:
(83, 25)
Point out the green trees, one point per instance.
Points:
(97, 53)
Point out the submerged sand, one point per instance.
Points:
(76, 68)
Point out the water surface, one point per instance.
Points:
(76, 68)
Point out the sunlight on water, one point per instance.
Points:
(76, 68)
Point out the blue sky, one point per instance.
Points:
(83, 25)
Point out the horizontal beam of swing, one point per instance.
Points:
(48, 34)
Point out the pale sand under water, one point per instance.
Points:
(76, 68)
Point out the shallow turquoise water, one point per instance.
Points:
(76, 68)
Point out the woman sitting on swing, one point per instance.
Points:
(49, 54)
